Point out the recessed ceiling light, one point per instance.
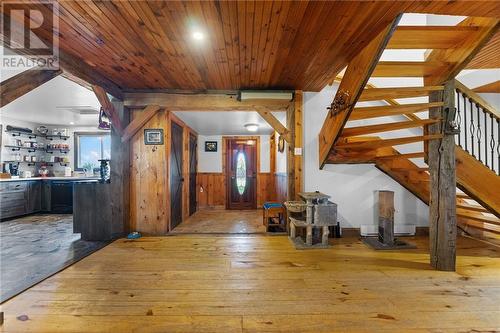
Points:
(198, 35)
(252, 127)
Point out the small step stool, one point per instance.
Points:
(274, 215)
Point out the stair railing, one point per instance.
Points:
(479, 125)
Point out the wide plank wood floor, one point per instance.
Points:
(220, 221)
(259, 283)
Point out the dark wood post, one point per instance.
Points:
(442, 206)
(120, 176)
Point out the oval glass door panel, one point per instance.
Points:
(241, 173)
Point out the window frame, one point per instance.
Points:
(77, 136)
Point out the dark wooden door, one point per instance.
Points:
(241, 174)
(193, 165)
(176, 179)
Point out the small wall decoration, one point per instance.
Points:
(211, 146)
(153, 136)
(281, 144)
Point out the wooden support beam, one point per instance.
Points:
(355, 78)
(266, 114)
(108, 108)
(429, 37)
(379, 128)
(298, 138)
(379, 143)
(377, 94)
(139, 122)
(457, 59)
(384, 111)
(201, 102)
(290, 156)
(23, 83)
(442, 205)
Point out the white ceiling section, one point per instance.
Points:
(227, 122)
(57, 102)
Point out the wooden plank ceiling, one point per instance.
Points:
(250, 44)
(489, 56)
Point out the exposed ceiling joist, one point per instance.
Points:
(493, 87)
(201, 102)
(23, 83)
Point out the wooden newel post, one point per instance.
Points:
(442, 207)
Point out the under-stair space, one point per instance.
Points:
(377, 129)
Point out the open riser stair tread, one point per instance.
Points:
(376, 94)
(390, 110)
(379, 128)
(373, 144)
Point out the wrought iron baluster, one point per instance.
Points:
(459, 118)
(472, 127)
(492, 143)
(478, 132)
(498, 146)
(465, 121)
(485, 138)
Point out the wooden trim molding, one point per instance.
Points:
(139, 122)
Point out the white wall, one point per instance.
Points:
(7, 139)
(352, 187)
(212, 161)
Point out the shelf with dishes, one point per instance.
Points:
(49, 149)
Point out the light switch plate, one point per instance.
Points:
(298, 151)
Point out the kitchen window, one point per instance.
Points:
(90, 148)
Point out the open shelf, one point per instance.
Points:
(29, 149)
(20, 133)
(55, 137)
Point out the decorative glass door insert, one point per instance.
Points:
(241, 172)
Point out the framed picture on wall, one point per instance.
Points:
(281, 144)
(211, 146)
(153, 136)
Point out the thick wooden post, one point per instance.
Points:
(120, 176)
(442, 206)
(299, 182)
(290, 156)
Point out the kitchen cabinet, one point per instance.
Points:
(19, 198)
(34, 196)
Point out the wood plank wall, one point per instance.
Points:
(281, 186)
(213, 195)
(149, 213)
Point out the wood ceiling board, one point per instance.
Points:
(429, 37)
(460, 7)
(493, 87)
(252, 44)
(488, 56)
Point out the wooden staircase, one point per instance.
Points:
(367, 138)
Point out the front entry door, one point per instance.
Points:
(241, 174)
(176, 178)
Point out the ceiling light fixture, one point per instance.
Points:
(71, 123)
(252, 127)
(198, 35)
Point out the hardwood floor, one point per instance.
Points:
(219, 221)
(260, 283)
(36, 246)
